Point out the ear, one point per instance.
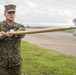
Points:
(4, 14)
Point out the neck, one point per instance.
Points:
(9, 22)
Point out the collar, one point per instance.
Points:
(6, 25)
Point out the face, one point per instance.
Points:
(10, 15)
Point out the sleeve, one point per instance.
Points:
(20, 28)
(0, 27)
(0, 31)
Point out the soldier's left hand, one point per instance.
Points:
(9, 33)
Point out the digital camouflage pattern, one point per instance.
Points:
(10, 46)
(10, 7)
(15, 70)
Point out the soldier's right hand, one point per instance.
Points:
(2, 34)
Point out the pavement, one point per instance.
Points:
(57, 41)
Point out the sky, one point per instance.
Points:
(42, 11)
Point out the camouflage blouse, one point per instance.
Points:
(10, 47)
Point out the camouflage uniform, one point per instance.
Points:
(10, 58)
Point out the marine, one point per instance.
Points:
(10, 54)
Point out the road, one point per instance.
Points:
(57, 41)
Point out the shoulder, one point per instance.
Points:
(18, 24)
(1, 22)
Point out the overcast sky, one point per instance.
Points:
(42, 11)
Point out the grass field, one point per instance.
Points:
(69, 31)
(40, 61)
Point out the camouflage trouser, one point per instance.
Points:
(15, 70)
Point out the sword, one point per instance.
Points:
(43, 30)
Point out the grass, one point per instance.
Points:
(69, 31)
(40, 61)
